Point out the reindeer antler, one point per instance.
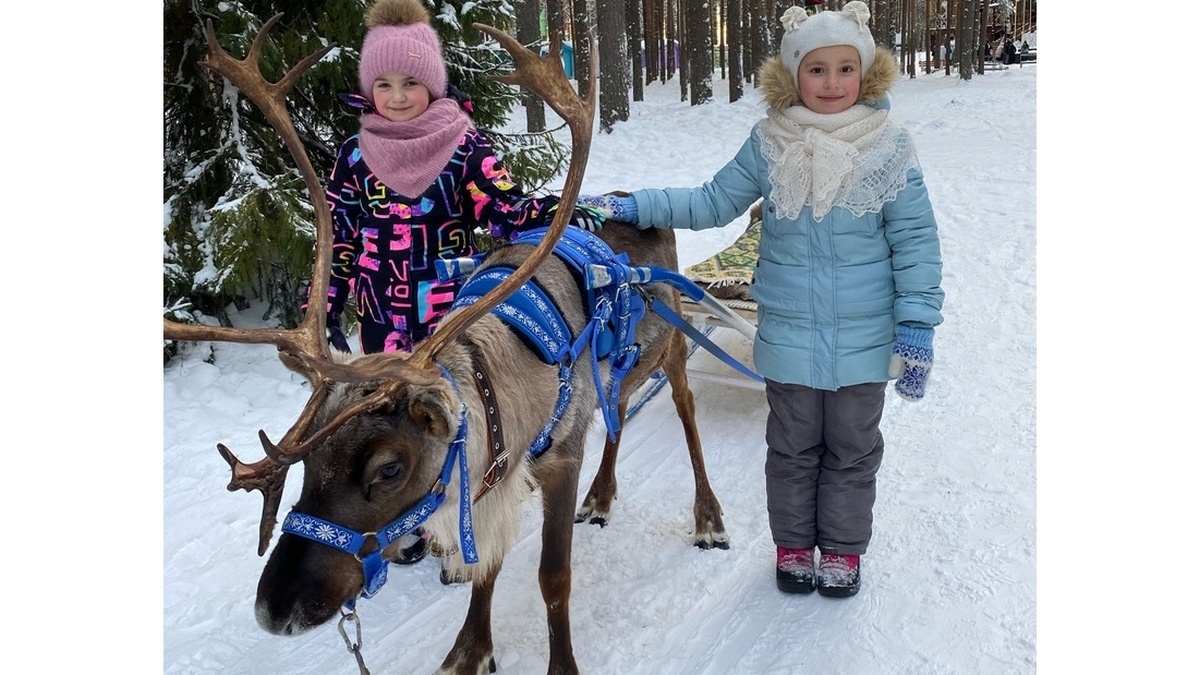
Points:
(304, 348)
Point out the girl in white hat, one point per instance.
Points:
(848, 281)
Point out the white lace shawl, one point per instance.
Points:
(857, 159)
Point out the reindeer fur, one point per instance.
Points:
(379, 464)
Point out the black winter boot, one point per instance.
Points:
(838, 575)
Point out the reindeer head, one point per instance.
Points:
(367, 472)
(372, 424)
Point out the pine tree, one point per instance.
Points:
(238, 225)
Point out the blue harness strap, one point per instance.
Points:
(610, 300)
(529, 310)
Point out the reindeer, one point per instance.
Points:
(384, 438)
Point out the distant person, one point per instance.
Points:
(848, 281)
(1024, 48)
(1010, 52)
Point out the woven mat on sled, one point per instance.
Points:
(727, 274)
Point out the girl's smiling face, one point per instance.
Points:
(830, 79)
(399, 97)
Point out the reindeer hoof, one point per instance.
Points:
(491, 665)
(590, 518)
(711, 542)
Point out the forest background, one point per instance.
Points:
(238, 226)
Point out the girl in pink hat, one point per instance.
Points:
(411, 187)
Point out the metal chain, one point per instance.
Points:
(353, 646)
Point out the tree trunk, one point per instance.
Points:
(977, 42)
(951, 23)
(699, 43)
(683, 28)
(963, 55)
(759, 32)
(672, 38)
(734, 28)
(652, 32)
(582, 27)
(614, 58)
(529, 33)
(554, 18)
(634, 42)
(720, 7)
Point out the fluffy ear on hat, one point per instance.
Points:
(792, 17)
(880, 77)
(396, 13)
(858, 10)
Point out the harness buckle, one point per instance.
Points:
(495, 473)
(626, 358)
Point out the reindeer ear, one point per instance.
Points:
(432, 410)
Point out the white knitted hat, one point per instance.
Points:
(804, 33)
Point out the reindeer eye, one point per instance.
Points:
(390, 471)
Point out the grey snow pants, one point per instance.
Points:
(823, 450)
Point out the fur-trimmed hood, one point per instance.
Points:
(780, 91)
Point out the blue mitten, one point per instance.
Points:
(912, 359)
(620, 209)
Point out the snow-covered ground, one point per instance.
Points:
(950, 577)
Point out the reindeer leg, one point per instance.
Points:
(554, 574)
(597, 504)
(710, 529)
(472, 651)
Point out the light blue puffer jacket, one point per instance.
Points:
(829, 293)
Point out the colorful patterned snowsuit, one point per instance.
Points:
(384, 244)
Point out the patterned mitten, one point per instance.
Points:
(620, 209)
(584, 217)
(588, 218)
(912, 359)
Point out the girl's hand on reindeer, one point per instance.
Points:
(584, 217)
(619, 208)
(588, 218)
(912, 359)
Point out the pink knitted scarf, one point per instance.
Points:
(408, 156)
